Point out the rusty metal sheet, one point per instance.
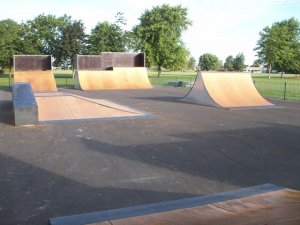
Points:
(108, 60)
(32, 62)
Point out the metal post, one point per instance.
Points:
(9, 77)
(284, 94)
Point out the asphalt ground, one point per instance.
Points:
(186, 150)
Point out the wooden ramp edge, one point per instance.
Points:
(41, 81)
(226, 90)
(233, 207)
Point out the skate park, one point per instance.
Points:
(185, 151)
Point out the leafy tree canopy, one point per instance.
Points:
(108, 37)
(239, 62)
(70, 43)
(10, 42)
(159, 36)
(192, 63)
(279, 45)
(208, 61)
(229, 62)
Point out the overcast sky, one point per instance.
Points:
(221, 27)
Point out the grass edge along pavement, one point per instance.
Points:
(287, 88)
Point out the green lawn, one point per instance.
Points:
(286, 88)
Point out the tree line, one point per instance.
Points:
(209, 61)
(158, 34)
(278, 48)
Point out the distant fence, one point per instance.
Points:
(174, 81)
(286, 90)
(277, 89)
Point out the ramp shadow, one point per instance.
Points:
(31, 195)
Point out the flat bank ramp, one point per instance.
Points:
(41, 81)
(226, 90)
(60, 107)
(262, 204)
(118, 78)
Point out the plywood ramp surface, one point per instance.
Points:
(118, 78)
(41, 81)
(228, 90)
(72, 107)
(273, 208)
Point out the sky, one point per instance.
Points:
(220, 27)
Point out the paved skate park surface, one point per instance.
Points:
(187, 150)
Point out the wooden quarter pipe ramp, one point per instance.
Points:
(118, 78)
(111, 70)
(35, 69)
(226, 90)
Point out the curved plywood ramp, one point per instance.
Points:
(41, 81)
(226, 90)
(118, 78)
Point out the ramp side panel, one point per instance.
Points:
(233, 90)
(41, 81)
(118, 78)
(199, 95)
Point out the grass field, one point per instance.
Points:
(287, 88)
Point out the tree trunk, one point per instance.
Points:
(270, 70)
(282, 71)
(159, 71)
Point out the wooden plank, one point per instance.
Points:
(277, 207)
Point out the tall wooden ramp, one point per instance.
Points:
(35, 69)
(226, 90)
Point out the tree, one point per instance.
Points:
(43, 32)
(279, 44)
(10, 42)
(239, 62)
(228, 65)
(71, 42)
(208, 61)
(192, 63)
(108, 37)
(159, 35)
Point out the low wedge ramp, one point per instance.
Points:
(118, 78)
(226, 90)
(41, 81)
